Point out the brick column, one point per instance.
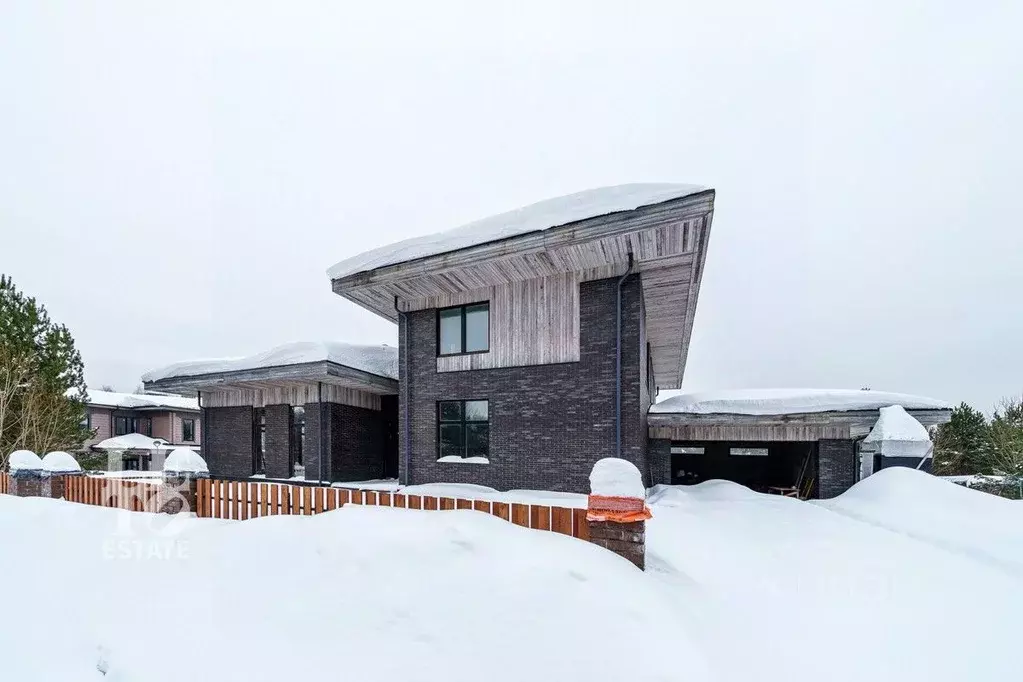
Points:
(616, 512)
(26, 474)
(278, 441)
(57, 467)
(181, 472)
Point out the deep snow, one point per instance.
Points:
(903, 578)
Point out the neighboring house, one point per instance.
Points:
(325, 411)
(169, 418)
(530, 345)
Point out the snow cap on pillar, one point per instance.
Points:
(24, 460)
(59, 462)
(185, 461)
(616, 492)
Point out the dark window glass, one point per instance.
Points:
(477, 328)
(450, 331)
(258, 441)
(297, 442)
(188, 430)
(451, 411)
(147, 427)
(463, 329)
(463, 428)
(120, 426)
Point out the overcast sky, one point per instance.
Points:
(175, 178)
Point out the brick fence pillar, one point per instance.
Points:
(26, 474)
(181, 472)
(616, 512)
(57, 467)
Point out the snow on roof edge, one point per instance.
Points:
(771, 401)
(134, 401)
(377, 359)
(536, 217)
(895, 424)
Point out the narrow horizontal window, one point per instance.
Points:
(685, 450)
(748, 452)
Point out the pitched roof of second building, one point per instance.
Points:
(137, 401)
(536, 217)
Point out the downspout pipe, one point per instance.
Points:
(618, 361)
(403, 383)
(202, 419)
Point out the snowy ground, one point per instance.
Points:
(905, 578)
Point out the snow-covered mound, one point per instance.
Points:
(533, 218)
(613, 477)
(24, 460)
(708, 491)
(765, 401)
(921, 506)
(185, 460)
(379, 359)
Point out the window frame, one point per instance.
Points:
(119, 419)
(462, 309)
(464, 424)
(259, 440)
(184, 432)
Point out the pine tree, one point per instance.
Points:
(1005, 456)
(42, 379)
(962, 445)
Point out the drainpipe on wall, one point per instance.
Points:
(403, 382)
(319, 421)
(618, 363)
(202, 416)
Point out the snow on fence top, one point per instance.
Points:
(132, 401)
(536, 217)
(380, 359)
(59, 462)
(24, 460)
(764, 401)
(613, 477)
(185, 460)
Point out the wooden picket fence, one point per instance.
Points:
(116, 493)
(5, 482)
(244, 499)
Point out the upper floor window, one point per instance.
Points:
(463, 329)
(121, 426)
(188, 430)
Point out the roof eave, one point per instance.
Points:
(322, 370)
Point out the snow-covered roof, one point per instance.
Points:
(133, 401)
(769, 401)
(897, 424)
(59, 462)
(130, 441)
(379, 359)
(536, 217)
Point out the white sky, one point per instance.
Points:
(176, 177)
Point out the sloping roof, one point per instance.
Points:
(130, 441)
(381, 360)
(774, 401)
(134, 401)
(536, 217)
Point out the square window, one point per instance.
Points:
(463, 329)
(463, 428)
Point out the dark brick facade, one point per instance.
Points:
(836, 467)
(548, 423)
(227, 447)
(658, 455)
(277, 451)
(356, 439)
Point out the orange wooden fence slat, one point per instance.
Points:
(580, 527)
(520, 514)
(463, 504)
(243, 495)
(446, 503)
(539, 517)
(384, 499)
(237, 500)
(273, 497)
(430, 502)
(561, 520)
(253, 500)
(296, 500)
(307, 501)
(331, 499)
(356, 496)
(264, 499)
(344, 496)
(399, 501)
(501, 509)
(369, 498)
(481, 506)
(320, 504)
(414, 501)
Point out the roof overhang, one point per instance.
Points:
(667, 242)
(285, 375)
(846, 425)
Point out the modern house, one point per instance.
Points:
(530, 345)
(324, 411)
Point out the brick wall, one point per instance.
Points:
(228, 449)
(548, 423)
(356, 440)
(277, 454)
(836, 467)
(659, 459)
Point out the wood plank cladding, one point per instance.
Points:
(290, 394)
(767, 432)
(535, 322)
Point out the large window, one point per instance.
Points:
(188, 430)
(124, 425)
(297, 436)
(258, 441)
(463, 329)
(121, 426)
(463, 429)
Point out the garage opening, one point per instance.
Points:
(783, 468)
